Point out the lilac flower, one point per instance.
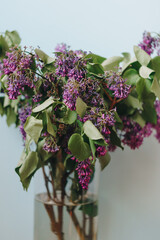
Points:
(148, 43)
(1, 68)
(133, 134)
(23, 113)
(62, 47)
(117, 85)
(84, 173)
(37, 97)
(69, 64)
(50, 144)
(86, 89)
(101, 150)
(17, 66)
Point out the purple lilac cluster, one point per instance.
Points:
(70, 64)
(157, 126)
(101, 150)
(84, 173)
(62, 47)
(149, 43)
(50, 144)
(17, 67)
(23, 113)
(101, 120)
(117, 85)
(133, 134)
(86, 89)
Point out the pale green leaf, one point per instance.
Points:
(131, 76)
(104, 160)
(12, 38)
(44, 105)
(91, 131)
(112, 63)
(28, 166)
(70, 117)
(139, 119)
(50, 129)
(155, 65)
(142, 57)
(7, 101)
(81, 107)
(44, 57)
(33, 128)
(155, 88)
(127, 57)
(145, 72)
(134, 102)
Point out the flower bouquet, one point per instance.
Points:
(72, 110)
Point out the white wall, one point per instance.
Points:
(130, 192)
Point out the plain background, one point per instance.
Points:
(130, 185)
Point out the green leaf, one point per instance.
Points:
(104, 160)
(44, 57)
(127, 57)
(3, 47)
(155, 88)
(142, 57)
(50, 129)
(4, 81)
(134, 102)
(12, 38)
(112, 63)
(100, 142)
(78, 147)
(91, 131)
(145, 72)
(7, 101)
(143, 88)
(44, 105)
(139, 119)
(70, 117)
(155, 65)
(81, 107)
(115, 140)
(95, 68)
(90, 209)
(33, 128)
(28, 166)
(95, 58)
(11, 116)
(1, 109)
(149, 113)
(132, 76)
(93, 148)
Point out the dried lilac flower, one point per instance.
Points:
(50, 144)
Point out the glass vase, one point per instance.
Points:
(62, 214)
